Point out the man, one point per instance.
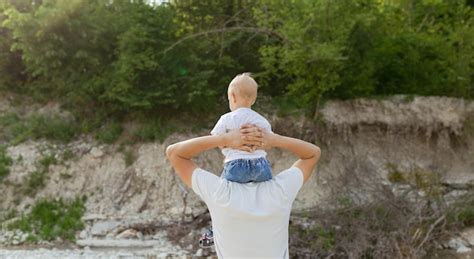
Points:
(249, 220)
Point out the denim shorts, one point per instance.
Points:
(247, 170)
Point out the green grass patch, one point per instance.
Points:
(50, 219)
(394, 175)
(5, 163)
(109, 132)
(53, 128)
(316, 237)
(65, 176)
(48, 160)
(67, 155)
(129, 157)
(37, 180)
(426, 181)
(11, 213)
(15, 129)
(152, 130)
(469, 125)
(462, 211)
(34, 182)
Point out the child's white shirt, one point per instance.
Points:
(234, 120)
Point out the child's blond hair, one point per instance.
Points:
(244, 85)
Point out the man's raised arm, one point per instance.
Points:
(181, 153)
(308, 153)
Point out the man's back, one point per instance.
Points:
(249, 220)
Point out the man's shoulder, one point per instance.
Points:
(204, 183)
(292, 172)
(291, 180)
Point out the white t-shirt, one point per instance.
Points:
(234, 120)
(249, 220)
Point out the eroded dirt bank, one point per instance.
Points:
(370, 139)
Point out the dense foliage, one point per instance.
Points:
(116, 57)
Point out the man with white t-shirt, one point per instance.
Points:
(249, 220)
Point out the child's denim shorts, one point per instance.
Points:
(247, 170)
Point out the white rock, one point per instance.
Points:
(24, 237)
(468, 235)
(139, 235)
(175, 210)
(102, 228)
(117, 243)
(83, 234)
(15, 242)
(96, 152)
(199, 252)
(126, 234)
(44, 243)
(124, 254)
(456, 243)
(92, 216)
(463, 249)
(159, 235)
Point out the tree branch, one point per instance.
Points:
(231, 29)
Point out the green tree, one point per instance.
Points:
(311, 54)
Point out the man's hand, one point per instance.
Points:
(263, 138)
(244, 140)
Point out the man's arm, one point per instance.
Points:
(308, 153)
(181, 153)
